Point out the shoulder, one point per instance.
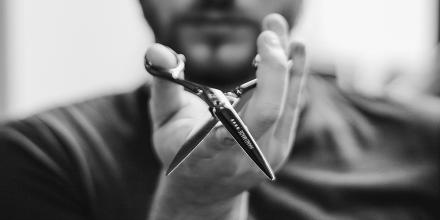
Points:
(57, 132)
(362, 154)
(104, 116)
(358, 126)
(327, 103)
(66, 155)
(119, 109)
(78, 131)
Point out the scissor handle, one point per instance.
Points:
(245, 87)
(170, 74)
(173, 74)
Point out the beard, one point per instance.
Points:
(212, 70)
(219, 77)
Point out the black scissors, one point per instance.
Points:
(221, 108)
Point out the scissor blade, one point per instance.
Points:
(232, 122)
(192, 142)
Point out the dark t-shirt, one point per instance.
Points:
(354, 158)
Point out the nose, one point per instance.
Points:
(219, 4)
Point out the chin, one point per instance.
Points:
(218, 76)
(222, 65)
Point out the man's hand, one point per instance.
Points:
(214, 179)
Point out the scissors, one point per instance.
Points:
(221, 106)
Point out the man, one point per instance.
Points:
(353, 158)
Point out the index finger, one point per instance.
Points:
(278, 24)
(267, 100)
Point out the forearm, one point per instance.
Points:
(172, 202)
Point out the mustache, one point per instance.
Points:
(201, 17)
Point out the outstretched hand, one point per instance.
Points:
(218, 170)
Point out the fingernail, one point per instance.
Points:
(297, 49)
(276, 27)
(276, 23)
(272, 39)
(162, 56)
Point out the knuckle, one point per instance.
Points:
(223, 138)
(279, 65)
(266, 35)
(296, 71)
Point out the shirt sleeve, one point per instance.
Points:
(32, 184)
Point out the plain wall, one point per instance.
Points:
(62, 51)
(3, 80)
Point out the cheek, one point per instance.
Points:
(167, 9)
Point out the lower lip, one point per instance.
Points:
(218, 29)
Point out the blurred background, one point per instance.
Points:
(54, 52)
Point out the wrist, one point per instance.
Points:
(174, 200)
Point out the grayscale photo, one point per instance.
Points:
(219, 109)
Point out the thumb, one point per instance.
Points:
(166, 96)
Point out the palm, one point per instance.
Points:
(217, 166)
